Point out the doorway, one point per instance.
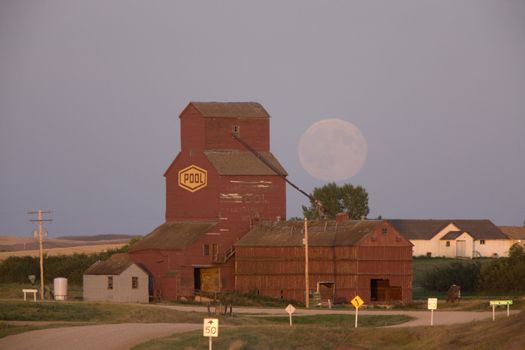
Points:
(460, 248)
(378, 289)
(206, 279)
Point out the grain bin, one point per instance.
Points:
(60, 288)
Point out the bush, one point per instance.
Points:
(17, 269)
(464, 274)
(507, 274)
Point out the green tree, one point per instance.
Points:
(336, 199)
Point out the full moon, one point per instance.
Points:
(332, 150)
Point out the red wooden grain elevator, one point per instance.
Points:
(216, 190)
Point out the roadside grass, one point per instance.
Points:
(505, 333)
(307, 332)
(92, 312)
(10, 329)
(341, 320)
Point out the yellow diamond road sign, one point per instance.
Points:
(193, 178)
(357, 302)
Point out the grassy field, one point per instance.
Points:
(503, 334)
(92, 312)
(85, 249)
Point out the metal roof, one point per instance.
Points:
(451, 235)
(426, 229)
(514, 232)
(231, 109)
(234, 162)
(320, 233)
(173, 236)
(115, 265)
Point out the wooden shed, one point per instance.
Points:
(116, 279)
(368, 258)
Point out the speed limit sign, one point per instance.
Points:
(210, 327)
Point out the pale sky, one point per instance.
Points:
(90, 93)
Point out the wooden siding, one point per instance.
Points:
(279, 271)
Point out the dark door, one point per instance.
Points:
(197, 278)
(379, 289)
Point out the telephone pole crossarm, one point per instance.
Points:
(40, 220)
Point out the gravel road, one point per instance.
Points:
(99, 337)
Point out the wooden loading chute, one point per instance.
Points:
(315, 201)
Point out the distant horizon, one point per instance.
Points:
(131, 235)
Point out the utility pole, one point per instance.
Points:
(306, 277)
(40, 233)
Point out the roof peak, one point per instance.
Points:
(230, 109)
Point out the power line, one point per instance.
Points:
(40, 232)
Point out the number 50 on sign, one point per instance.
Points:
(210, 327)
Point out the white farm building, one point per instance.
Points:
(454, 238)
(116, 279)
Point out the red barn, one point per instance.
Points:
(368, 258)
(215, 191)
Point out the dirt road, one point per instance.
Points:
(100, 337)
(422, 318)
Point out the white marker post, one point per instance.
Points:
(495, 303)
(432, 305)
(210, 329)
(290, 309)
(357, 302)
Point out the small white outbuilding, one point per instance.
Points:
(116, 279)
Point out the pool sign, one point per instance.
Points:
(193, 178)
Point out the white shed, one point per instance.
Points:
(116, 279)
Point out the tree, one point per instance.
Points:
(336, 199)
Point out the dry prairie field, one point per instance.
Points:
(27, 246)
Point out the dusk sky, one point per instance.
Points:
(91, 91)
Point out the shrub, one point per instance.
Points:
(464, 274)
(17, 269)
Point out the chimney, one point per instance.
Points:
(341, 217)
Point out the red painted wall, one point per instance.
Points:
(255, 131)
(276, 271)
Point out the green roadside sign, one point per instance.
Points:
(500, 302)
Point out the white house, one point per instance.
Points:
(116, 279)
(454, 238)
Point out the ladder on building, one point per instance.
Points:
(228, 254)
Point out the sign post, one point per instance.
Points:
(495, 303)
(357, 302)
(432, 305)
(210, 329)
(290, 309)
